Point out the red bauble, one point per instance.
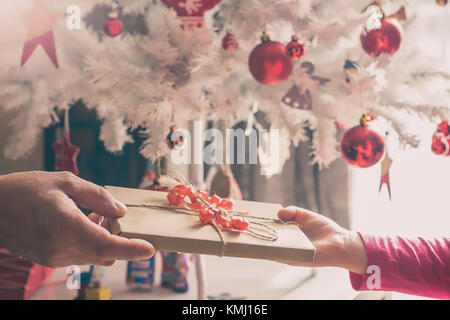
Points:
(295, 49)
(269, 63)
(441, 139)
(362, 147)
(113, 27)
(385, 39)
(229, 42)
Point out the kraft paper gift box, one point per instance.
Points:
(169, 230)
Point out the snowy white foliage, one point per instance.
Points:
(151, 81)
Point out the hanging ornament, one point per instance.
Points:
(191, 12)
(174, 138)
(229, 42)
(295, 49)
(224, 184)
(113, 27)
(441, 2)
(441, 139)
(268, 62)
(66, 152)
(362, 147)
(299, 98)
(40, 22)
(383, 34)
(385, 167)
(350, 68)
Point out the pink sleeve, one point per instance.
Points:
(419, 267)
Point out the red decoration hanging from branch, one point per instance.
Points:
(268, 62)
(362, 147)
(191, 12)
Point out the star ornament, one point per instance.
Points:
(66, 155)
(40, 22)
(385, 167)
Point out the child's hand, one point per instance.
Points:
(335, 246)
(40, 220)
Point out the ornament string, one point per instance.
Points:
(214, 211)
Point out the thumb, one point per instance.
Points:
(91, 196)
(294, 214)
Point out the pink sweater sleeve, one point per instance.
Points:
(419, 267)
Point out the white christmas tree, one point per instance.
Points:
(170, 73)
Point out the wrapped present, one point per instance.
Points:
(188, 220)
(19, 278)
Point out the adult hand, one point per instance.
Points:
(40, 221)
(335, 246)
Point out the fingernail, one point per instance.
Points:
(121, 207)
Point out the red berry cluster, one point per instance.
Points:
(211, 209)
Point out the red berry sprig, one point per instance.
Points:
(212, 210)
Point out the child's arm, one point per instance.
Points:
(419, 267)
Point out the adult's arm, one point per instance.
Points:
(40, 221)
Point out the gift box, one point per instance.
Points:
(19, 278)
(150, 218)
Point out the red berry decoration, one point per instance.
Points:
(385, 39)
(295, 49)
(268, 62)
(229, 42)
(441, 139)
(362, 147)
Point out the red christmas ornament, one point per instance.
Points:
(295, 49)
(174, 138)
(362, 147)
(66, 155)
(191, 12)
(441, 139)
(268, 62)
(113, 26)
(229, 42)
(385, 39)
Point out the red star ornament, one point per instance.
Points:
(40, 22)
(66, 155)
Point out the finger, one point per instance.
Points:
(91, 196)
(108, 247)
(294, 214)
(118, 248)
(108, 263)
(95, 218)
